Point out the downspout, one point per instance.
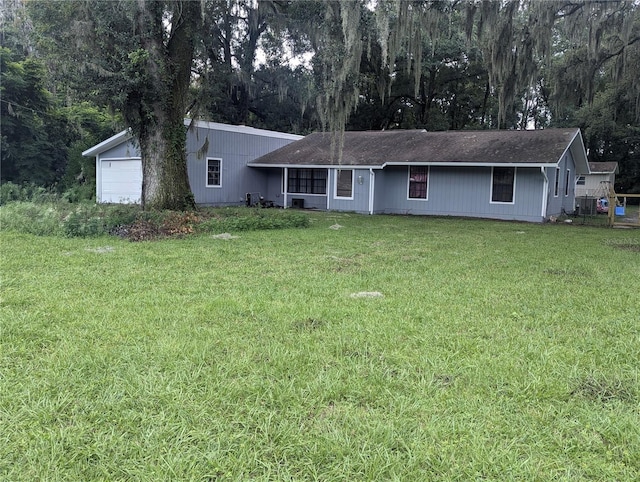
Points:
(284, 186)
(545, 192)
(372, 184)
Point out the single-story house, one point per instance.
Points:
(527, 175)
(217, 158)
(596, 183)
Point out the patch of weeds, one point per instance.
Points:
(247, 219)
(119, 215)
(31, 218)
(625, 244)
(309, 324)
(568, 272)
(84, 221)
(443, 380)
(345, 264)
(603, 389)
(11, 192)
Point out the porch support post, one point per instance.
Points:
(372, 185)
(284, 186)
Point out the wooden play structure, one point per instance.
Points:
(619, 215)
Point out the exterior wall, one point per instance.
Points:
(460, 191)
(235, 150)
(273, 183)
(595, 185)
(361, 187)
(125, 150)
(563, 201)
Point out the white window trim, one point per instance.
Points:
(566, 183)
(409, 183)
(335, 185)
(556, 186)
(515, 184)
(206, 173)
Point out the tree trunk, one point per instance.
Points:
(161, 132)
(165, 183)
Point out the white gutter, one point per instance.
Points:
(372, 185)
(408, 163)
(545, 192)
(312, 166)
(472, 164)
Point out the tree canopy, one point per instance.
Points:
(312, 64)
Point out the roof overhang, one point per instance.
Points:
(127, 134)
(254, 131)
(313, 166)
(579, 154)
(107, 144)
(472, 164)
(398, 163)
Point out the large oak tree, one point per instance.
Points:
(136, 56)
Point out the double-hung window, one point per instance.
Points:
(344, 183)
(418, 182)
(214, 173)
(556, 188)
(503, 185)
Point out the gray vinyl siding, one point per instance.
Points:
(460, 191)
(360, 201)
(234, 150)
(557, 203)
(126, 150)
(311, 201)
(273, 183)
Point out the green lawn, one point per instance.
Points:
(496, 351)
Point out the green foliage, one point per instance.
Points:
(34, 210)
(34, 135)
(250, 219)
(41, 219)
(90, 125)
(85, 220)
(27, 192)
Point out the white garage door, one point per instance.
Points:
(121, 181)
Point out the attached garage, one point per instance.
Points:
(118, 169)
(121, 181)
(217, 158)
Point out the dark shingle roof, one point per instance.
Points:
(377, 148)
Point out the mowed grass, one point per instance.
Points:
(497, 351)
